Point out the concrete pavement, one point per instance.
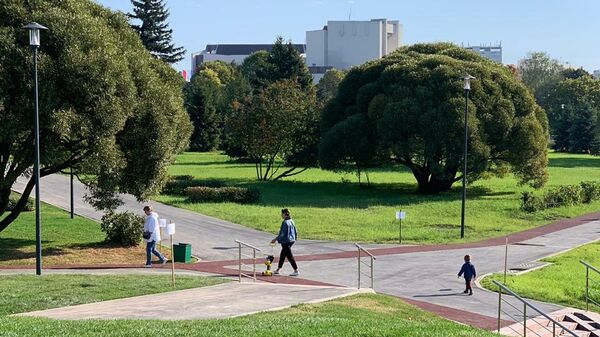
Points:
(221, 301)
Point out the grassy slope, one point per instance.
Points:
(64, 241)
(327, 206)
(362, 315)
(563, 282)
(23, 293)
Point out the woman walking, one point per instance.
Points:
(287, 236)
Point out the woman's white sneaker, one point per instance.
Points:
(295, 273)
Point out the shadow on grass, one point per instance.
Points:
(13, 249)
(98, 245)
(574, 162)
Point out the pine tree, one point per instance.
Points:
(154, 30)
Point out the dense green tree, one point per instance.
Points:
(257, 69)
(574, 73)
(328, 85)
(572, 106)
(154, 29)
(539, 72)
(271, 125)
(107, 107)
(408, 108)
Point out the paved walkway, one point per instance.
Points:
(211, 238)
(424, 275)
(221, 301)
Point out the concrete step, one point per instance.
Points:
(582, 323)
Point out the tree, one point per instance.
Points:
(572, 106)
(270, 127)
(539, 71)
(154, 30)
(408, 108)
(328, 85)
(107, 107)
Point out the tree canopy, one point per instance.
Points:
(408, 108)
(539, 72)
(154, 29)
(107, 107)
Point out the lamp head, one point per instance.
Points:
(34, 33)
(467, 84)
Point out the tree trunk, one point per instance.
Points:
(429, 183)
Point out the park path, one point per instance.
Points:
(422, 275)
(211, 238)
(226, 300)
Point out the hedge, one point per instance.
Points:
(240, 195)
(559, 196)
(177, 184)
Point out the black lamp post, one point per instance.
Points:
(34, 41)
(467, 86)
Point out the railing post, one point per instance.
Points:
(372, 278)
(358, 268)
(587, 288)
(240, 261)
(499, 307)
(254, 263)
(524, 319)
(553, 329)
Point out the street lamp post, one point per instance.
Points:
(467, 86)
(34, 41)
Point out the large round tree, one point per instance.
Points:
(408, 108)
(107, 107)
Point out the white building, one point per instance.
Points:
(492, 52)
(596, 74)
(344, 44)
(235, 53)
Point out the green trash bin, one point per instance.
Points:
(182, 252)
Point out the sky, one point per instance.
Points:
(567, 29)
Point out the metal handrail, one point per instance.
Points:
(587, 284)
(242, 245)
(371, 257)
(526, 304)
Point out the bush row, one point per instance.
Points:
(240, 195)
(177, 184)
(566, 195)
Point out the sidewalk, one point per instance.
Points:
(221, 301)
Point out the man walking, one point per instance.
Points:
(152, 236)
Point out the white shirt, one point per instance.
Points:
(151, 225)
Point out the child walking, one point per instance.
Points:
(468, 269)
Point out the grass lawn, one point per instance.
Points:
(328, 205)
(23, 293)
(563, 282)
(64, 241)
(361, 315)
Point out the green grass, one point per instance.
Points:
(563, 282)
(328, 205)
(23, 293)
(361, 315)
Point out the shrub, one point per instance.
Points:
(591, 191)
(178, 184)
(566, 195)
(531, 202)
(123, 229)
(12, 202)
(240, 195)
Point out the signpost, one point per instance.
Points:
(399, 216)
(170, 232)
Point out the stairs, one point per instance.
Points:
(582, 323)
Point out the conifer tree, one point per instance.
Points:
(154, 30)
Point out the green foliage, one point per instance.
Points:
(561, 196)
(177, 184)
(154, 30)
(328, 85)
(279, 122)
(240, 195)
(107, 107)
(124, 229)
(408, 108)
(539, 72)
(14, 199)
(573, 107)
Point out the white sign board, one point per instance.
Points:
(400, 215)
(171, 229)
(162, 223)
